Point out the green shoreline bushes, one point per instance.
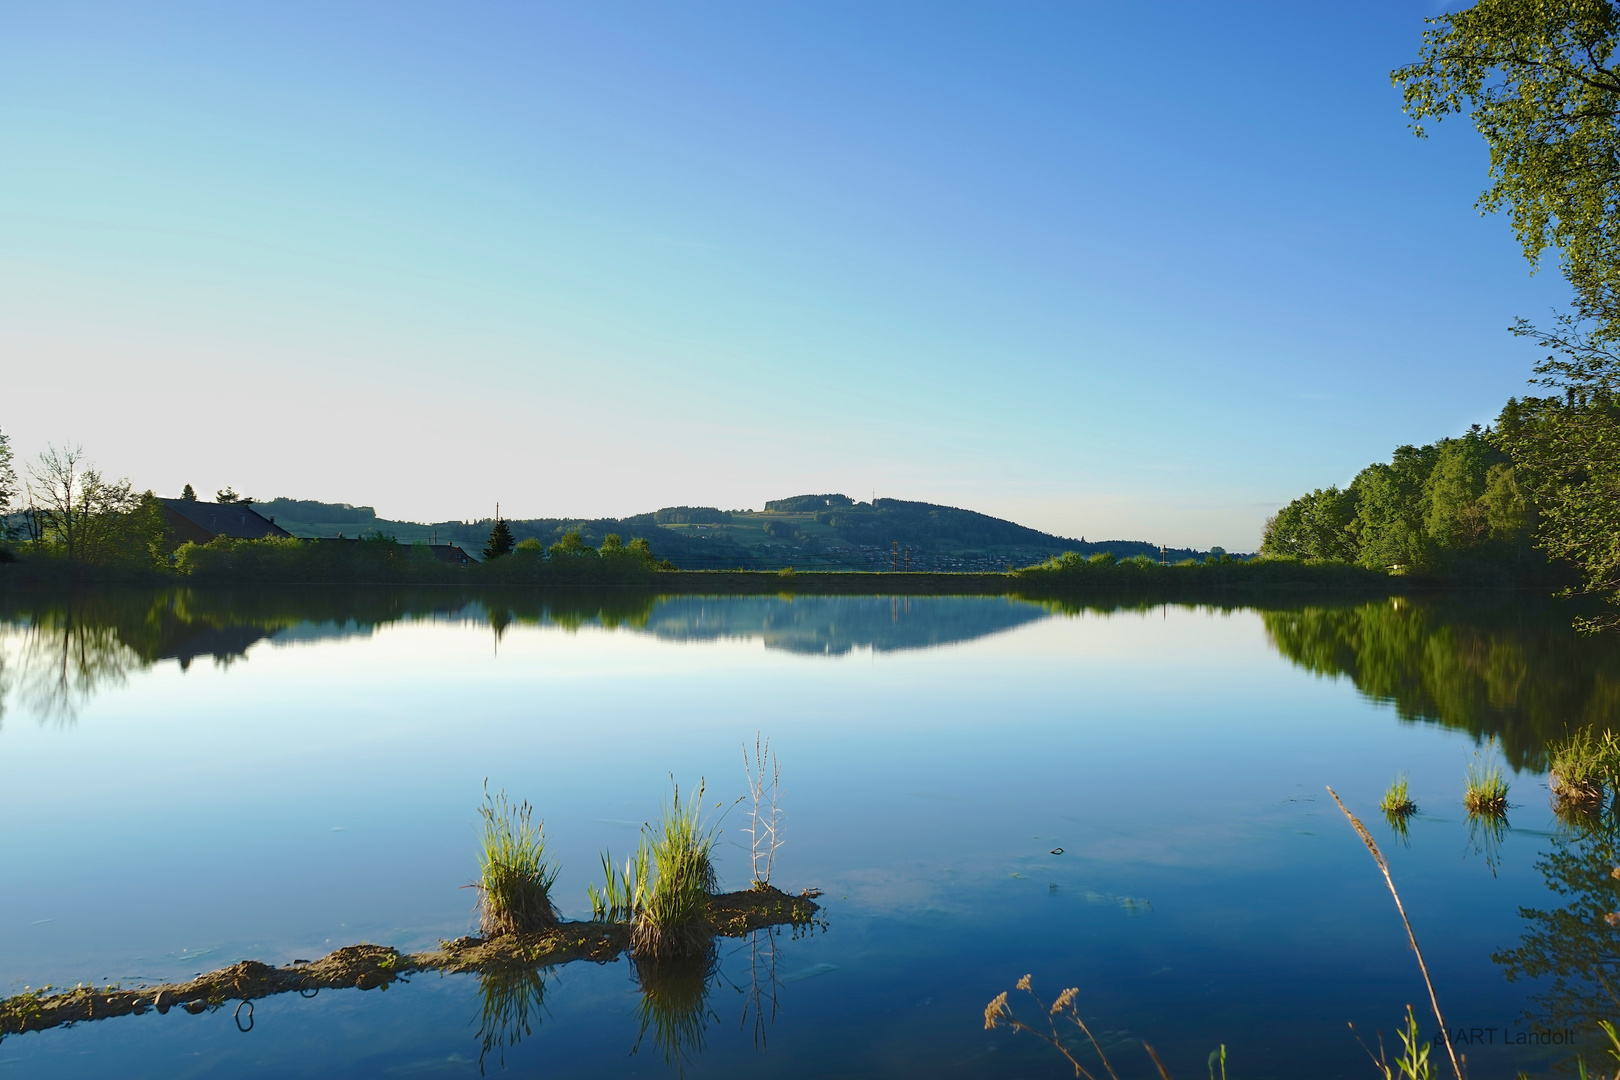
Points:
(1071, 570)
(380, 558)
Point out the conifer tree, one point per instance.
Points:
(500, 539)
(188, 494)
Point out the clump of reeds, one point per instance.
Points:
(672, 918)
(765, 815)
(1486, 787)
(515, 878)
(1584, 766)
(1398, 799)
(623, 894)
(1397, 804)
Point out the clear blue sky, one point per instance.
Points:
(1142, 270)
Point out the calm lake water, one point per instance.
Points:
(193, 778)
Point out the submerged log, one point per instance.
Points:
(368, 967)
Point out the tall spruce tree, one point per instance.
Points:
(188, 493)
(500, 539)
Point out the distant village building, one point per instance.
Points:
(450, 553)
(200, 522)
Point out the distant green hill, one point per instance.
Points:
(806, 532)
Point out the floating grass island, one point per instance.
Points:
(663, 910)
(369, 967)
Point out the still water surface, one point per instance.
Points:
(189, 779)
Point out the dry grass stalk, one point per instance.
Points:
(998, 1012)
(1383, 866)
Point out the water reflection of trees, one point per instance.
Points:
(54, 665)
(1573, 950)
(59, 648)
(62, 646)
(1508, 666)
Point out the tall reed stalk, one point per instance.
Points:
(1383, 867)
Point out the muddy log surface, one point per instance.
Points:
(368, 967)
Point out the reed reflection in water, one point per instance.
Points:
(513, 1001)
(674, 1006)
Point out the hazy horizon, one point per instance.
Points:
(1120, 272)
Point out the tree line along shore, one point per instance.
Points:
(81, 529)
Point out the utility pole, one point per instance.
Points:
(894, 557)
(908, 560)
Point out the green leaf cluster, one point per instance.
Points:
(1538, 80)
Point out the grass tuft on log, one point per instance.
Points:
(672, 918)
(515, 876)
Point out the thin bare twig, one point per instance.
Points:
(765, 815)
(1383, 866)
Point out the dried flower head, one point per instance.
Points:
(1065, 999)
(995, 1010)
(1023, 984)
(1612, 918)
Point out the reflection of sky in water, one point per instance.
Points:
(1208, 891)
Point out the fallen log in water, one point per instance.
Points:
(368, 967)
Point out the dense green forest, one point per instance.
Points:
(1536, 497)
(1456, 507)
(1539, 84)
